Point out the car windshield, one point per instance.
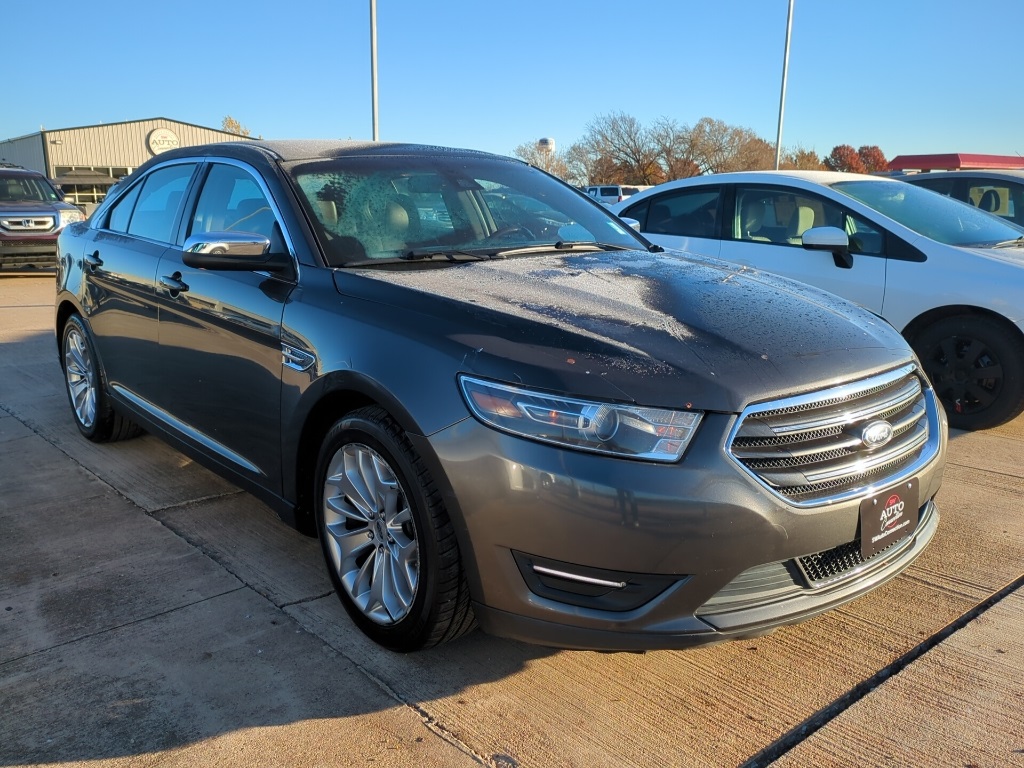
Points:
(410, 207)
(19, 188)
(933, 215)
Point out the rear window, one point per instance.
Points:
(609, 191)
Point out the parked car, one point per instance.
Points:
(559, 432)
(998, 192)
(613, 193)
(946, 275)
(32, 213)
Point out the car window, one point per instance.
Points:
(685, 212)
(232, 201)
(121, 211)
(609, 191)
(16, 188)
(942, 186)
(940, 218)
(154, 208)
(782, 216)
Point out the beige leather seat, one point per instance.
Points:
(753, 215)
(801, 220)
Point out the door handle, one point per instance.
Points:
(173, 283)
(93, 260)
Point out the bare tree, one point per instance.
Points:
(673, 147)
(623, 150)
(800, 159)
(552, 162)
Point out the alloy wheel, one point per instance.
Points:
(80, 375)
(372, 537)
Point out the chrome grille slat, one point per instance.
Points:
(813, 449)
(843, 414)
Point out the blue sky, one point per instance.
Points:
(909, 76)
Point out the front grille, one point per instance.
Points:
(812, 448)
(28, 223)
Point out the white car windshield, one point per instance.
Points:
(931, 214)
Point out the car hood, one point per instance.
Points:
(1014, 255)
(30, 206)
(657, 329)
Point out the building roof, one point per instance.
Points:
(954, 161)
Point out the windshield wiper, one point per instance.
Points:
(449, 254)
(1018, 243)
(563, 245)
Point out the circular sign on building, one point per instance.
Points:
(161, 140)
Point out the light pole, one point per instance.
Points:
(785, 74)
(373, 64)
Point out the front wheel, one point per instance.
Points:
(976, 365)
(386, 536)
(86, 388)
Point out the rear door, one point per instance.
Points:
(764, 226)
(220, 331)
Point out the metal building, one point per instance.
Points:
(86, 161)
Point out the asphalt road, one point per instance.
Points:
(152, 614)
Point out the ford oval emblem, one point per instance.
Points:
(876, 434)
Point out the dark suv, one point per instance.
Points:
(495, 403)
(32, 214)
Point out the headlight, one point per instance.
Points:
(656, 434)
(70, 216)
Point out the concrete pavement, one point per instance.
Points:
(152, 614)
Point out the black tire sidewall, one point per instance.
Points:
(1005, 346)
(366, 427)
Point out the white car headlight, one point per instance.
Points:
(69, 216)
(636, 432)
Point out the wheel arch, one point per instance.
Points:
(922, 321)
(334, 396)
(65, 309)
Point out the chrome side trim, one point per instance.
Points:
(576, 577)
(193, 434)
(296, 359)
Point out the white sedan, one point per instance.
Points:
(948, 276)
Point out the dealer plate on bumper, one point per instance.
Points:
(888, 516)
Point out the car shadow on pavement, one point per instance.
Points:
(146, 605)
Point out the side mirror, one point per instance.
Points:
(830, 239)
(631, 223)
(233, 252)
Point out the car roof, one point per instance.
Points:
(809, 178)
(17, 170)
(288, 150)
(1010, 174)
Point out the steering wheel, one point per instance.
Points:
(503, 231)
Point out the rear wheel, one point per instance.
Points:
(386, 536)
(976, 365)
(86, 388)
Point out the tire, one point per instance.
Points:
(386, 537)
(976, 365)
(86, 386)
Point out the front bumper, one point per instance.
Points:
(28, 252)
(637, 556)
